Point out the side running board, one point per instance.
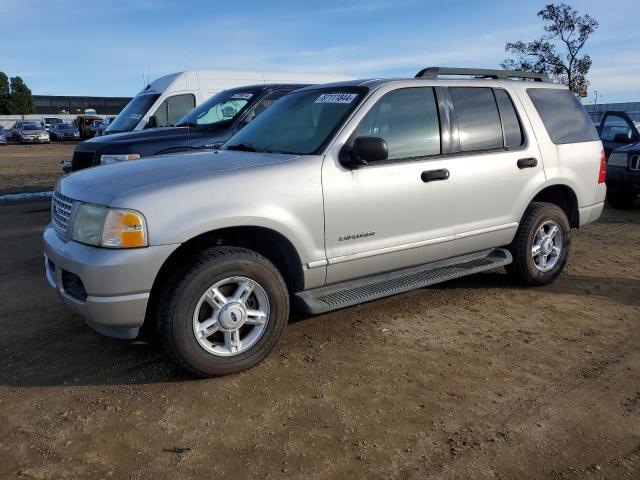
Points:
(353, 292)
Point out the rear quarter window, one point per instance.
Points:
(563, 116)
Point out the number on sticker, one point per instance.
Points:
(336, 98)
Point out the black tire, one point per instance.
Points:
(523, 268)
(180, 298)
(621, 199)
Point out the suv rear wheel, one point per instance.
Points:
(540, 248)
(621, 199)
(224, 313)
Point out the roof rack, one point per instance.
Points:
(433, 73)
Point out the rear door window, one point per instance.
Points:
(563, 116)
(479, 123)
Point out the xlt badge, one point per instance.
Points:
(354, 236)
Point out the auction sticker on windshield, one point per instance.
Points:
(336, 98)
(244, 96)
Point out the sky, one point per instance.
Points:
(107, 48)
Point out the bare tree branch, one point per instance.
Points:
(563, 26)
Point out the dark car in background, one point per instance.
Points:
(621, 141)
(102, 127)
(64, 131)
(210, 124)
(616, 129)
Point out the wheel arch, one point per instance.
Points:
(564, 197)
(265, 241)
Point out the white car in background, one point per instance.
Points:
(167, 99)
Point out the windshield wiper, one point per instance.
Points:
(243, 147)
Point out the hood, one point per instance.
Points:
(101, 185)
(154, 141)
(139, 135)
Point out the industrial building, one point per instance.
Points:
(54, 104)
(596, 111)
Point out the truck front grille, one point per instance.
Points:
(61, 207)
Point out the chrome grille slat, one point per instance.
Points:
(61, 208)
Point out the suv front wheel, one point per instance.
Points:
(224, 313)
(540, 248)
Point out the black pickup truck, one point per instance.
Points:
(621, 141)
(210, 124)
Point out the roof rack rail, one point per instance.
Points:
(433, 73)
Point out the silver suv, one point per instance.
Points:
(338, 194)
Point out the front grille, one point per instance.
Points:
(61, 207)
(82, 160)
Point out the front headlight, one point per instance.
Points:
(109, 227)
(108, 159)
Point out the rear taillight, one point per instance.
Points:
(602, 176)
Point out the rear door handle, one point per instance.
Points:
(433, 175)
(527, 163)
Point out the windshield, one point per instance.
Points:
(133, 113)
(299, 123)
(222, 107)
(30, 126)
(52, 121)
(65, 126)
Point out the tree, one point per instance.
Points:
(4, 94)
(566, 30)
(21, 101)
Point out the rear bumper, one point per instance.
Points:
(114, 285)
(590, 213)
(621, 178)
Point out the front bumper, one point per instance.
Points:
(116, 283)
(34, 140)
(621, 178)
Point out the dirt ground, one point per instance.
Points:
(475, 378)
(32, 168)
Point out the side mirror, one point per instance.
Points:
(365, 150)
(152, 122)
(621, 138)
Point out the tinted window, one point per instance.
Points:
(513, 136)
(261, 106)
(478, 120)
(407, 119)
(616, 126)
(563, 116)
(301, 122)
(173, 109)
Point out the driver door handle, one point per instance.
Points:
(527, 163)
(433, 175)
